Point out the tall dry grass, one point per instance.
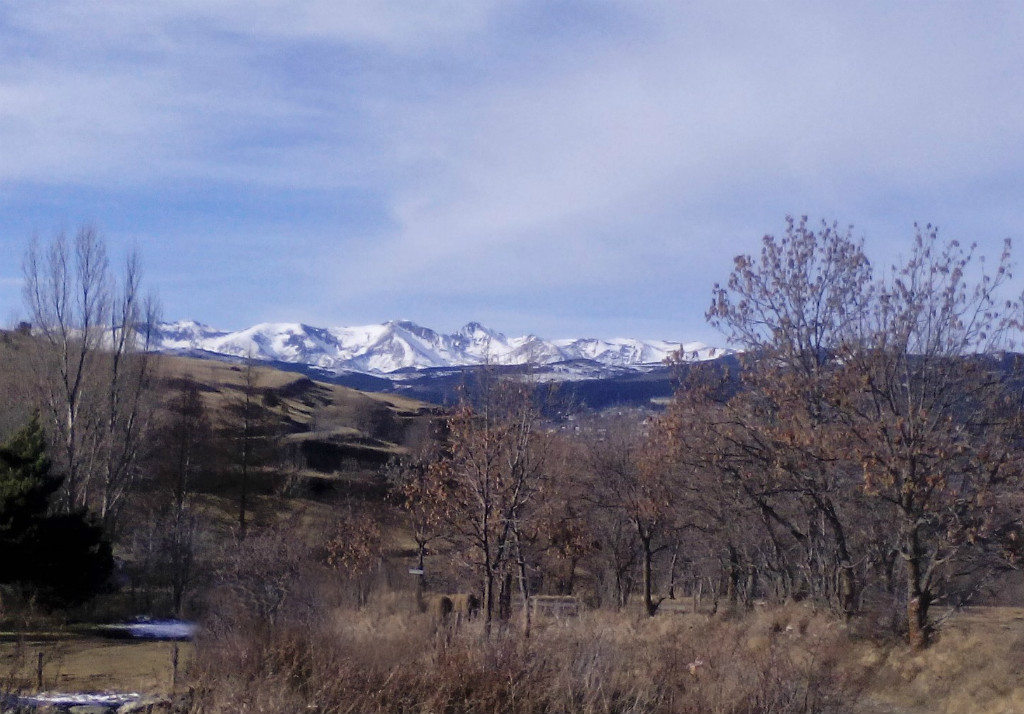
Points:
(391, 658)
(975, 665)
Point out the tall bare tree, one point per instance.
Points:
(249, 428)
(723, 510)
(129, 368)
(93, 365)
(187, 437)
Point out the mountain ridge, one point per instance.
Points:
(401, 346)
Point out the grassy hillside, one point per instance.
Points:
(335, 431)
(305, 398)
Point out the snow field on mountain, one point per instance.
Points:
(403, 345)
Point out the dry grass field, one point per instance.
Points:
(76, 663)
(387, 658)
(977, 664)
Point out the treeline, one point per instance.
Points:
(866, 457)
(872, 456)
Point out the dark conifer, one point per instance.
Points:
(58, 559)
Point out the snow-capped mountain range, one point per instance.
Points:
(402, 346)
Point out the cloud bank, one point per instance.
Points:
(560, 168)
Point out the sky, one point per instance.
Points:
(551, 167)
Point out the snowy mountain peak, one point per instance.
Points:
(475, 330)
(404, 345)
(186, 334)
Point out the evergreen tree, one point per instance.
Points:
(59, 559)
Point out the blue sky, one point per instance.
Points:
(561, 168)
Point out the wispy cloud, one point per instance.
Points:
(544, 163)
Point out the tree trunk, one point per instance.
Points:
(750, 588)
(650, 606)
(524, 590)
(242, 498)
(570, 582)
(420, 576)
(920, 628)
(919, 598)
(732, 587)
(623, 586)
(847, 580)
(848, 598)
(488, 602)
(672, 573)
(505, 598)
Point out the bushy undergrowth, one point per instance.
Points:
(387, 658)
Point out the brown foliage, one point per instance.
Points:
(485, 488)
(873, 429)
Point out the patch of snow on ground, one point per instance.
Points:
(66, 699)
(158, 629)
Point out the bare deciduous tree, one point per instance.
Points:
(484, 486)
(250, 430)
(631, 477)
(864, 396)
(791, 310)
(926, 409)
(93, 365)
(187, 441)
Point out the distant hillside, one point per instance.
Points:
(329, 429)
(444, 386)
